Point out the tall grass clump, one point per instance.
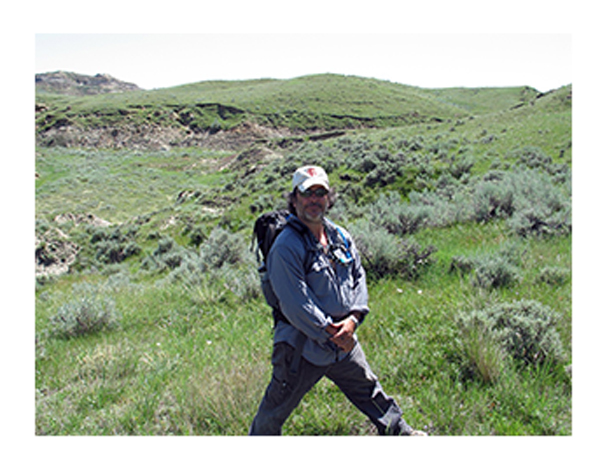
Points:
(481, 356)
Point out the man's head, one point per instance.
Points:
(311, 194)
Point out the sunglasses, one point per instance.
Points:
(319, 192)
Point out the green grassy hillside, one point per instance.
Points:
(184, 115)
(462, 216)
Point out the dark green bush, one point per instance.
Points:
(114, 244)
(169, 256)
(112, 251)
(197, 235)
(554, 276)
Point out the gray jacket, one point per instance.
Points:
(315, 289)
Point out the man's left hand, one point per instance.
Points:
(342, 334)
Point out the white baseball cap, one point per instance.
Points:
(308, 176)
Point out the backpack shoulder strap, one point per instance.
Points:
(307, 239)
(342, 253)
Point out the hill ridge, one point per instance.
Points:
(219, 114)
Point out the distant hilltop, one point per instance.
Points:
(68, 83)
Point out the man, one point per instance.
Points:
(317, 276)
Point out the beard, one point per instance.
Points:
(313, 213)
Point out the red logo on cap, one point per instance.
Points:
(312, 172)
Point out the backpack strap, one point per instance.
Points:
(302, 230)
(341, 254)
(306, 236)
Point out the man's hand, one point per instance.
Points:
(342, 334)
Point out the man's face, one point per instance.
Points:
(312, 205)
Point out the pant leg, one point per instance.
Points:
(284, 392)
(355, 378)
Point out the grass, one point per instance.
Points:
(173, 367)
(188, 361)
(115, 185)
(195, 361)
(189, 353)
(306, 103)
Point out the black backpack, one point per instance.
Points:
(266, 229)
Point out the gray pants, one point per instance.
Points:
(352, 375)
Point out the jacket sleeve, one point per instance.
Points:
(297, 301)
(361, 294)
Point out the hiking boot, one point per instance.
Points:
(413, 432)
(407, 430)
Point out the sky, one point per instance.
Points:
(429, 60)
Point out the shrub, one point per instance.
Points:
(221, 248)
(490, 270)
(525, 329)
(443, 207)
(114, 245)
(385, 254)
(541, 220)
(529, 199)
(242, 282)
(112, 251)
(86, 314)
(169, 255)
(493, 273)
(541, 208)
(461, 167)
(493, 199)
(532, 157)
(462, 265)
(261, 204)
(554, 276)
(398, 218)
(197, 235)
